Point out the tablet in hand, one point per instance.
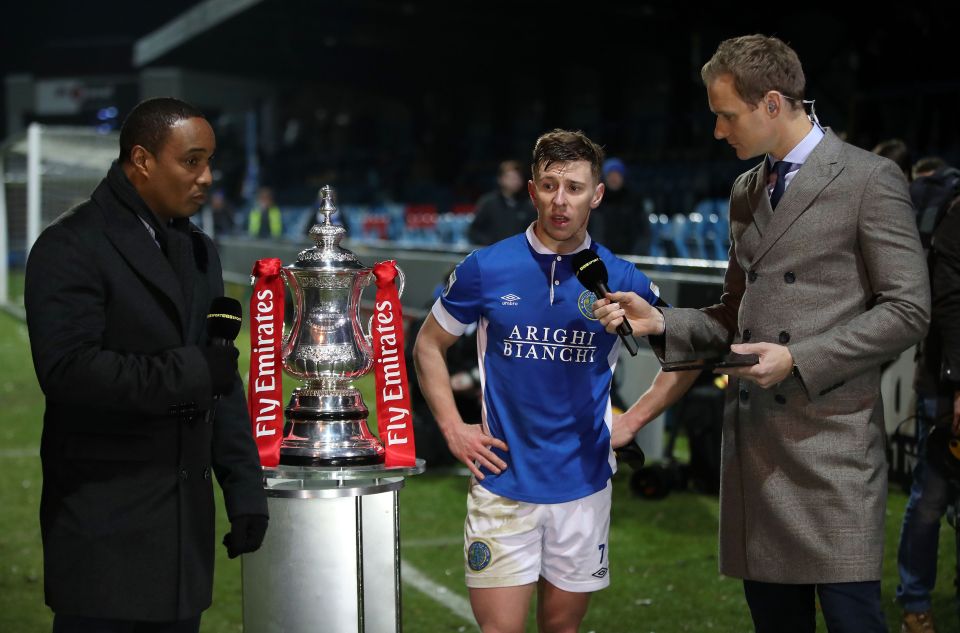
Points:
(732, 359)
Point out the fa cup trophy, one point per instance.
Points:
(327, 349)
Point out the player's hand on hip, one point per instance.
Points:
(617, 306)
(472, 446)
(622, 433)
(776, 363)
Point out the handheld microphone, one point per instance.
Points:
(592, 273)
(223, 321)
(223, 324)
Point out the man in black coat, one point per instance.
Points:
(937, 386)
(139, 405)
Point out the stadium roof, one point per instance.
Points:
(390, 42)
(395, 43)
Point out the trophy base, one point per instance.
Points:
(308, 460)
(328, 428)
(329, 443)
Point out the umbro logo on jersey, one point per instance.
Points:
(509, 300)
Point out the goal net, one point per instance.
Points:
(43, 172)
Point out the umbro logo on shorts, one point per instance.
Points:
(600, 573)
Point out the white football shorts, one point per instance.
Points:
(509, 543)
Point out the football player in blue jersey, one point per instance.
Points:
(538, 510)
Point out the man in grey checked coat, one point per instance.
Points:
(826, 280)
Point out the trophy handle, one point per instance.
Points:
(401, 280)
(287, 338)
(368, 335)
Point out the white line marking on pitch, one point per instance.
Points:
(433, 542)
(457, 604)
(19, 452)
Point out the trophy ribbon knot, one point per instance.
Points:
(269, 267)
(385, 272)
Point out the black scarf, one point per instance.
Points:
(176, 238)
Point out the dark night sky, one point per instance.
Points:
(874, 72)
(59, 38)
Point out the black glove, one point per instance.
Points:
(632, 454)
(222, 364)
(246, 534)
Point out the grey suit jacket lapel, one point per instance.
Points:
(749, 214)
(819, 170)
(758, 199)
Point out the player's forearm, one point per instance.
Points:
(434, 377)
(666, 389)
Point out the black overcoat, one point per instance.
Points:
(127, 509)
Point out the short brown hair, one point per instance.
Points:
(758, 65)
(564, 146)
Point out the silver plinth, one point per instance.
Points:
(330, 562)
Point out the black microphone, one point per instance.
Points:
(223, 324)
(223, 321)
(592, 273)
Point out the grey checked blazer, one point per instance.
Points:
(837, 275)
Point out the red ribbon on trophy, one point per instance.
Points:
(265, 385)
(394, 420)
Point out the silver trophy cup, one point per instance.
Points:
(326, 348)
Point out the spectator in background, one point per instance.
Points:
(935, 185)
(927, 166)
(937, 385)
(621, 227)
(896, 150)
(505, 211)
(217, 215)
(262, 227)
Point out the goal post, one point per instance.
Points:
(44, 171)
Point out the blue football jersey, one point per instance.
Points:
(545, 363)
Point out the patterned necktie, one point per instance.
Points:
(780, 169)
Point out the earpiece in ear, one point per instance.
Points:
(771, 107)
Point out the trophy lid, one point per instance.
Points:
(327, 255)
